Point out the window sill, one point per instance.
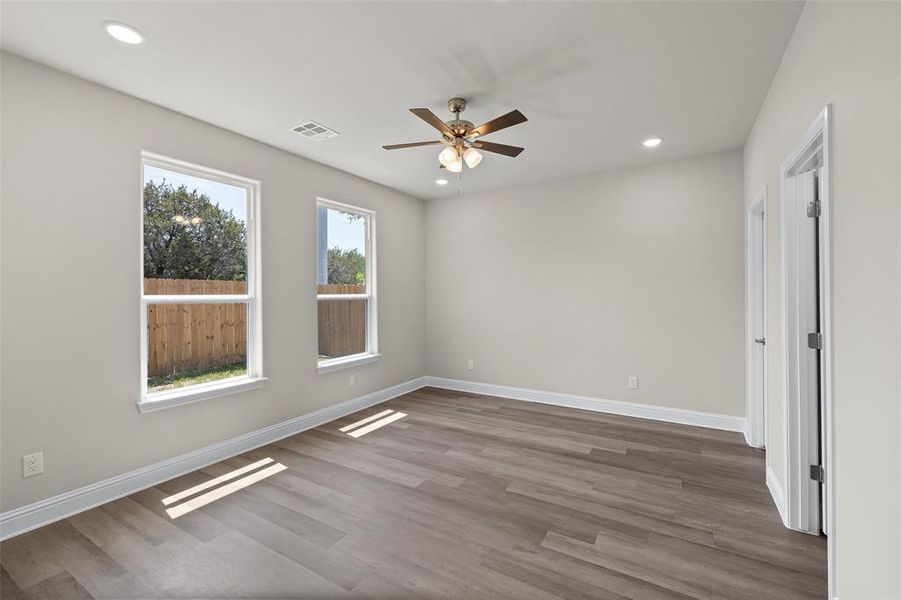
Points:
(170, 398)
(345, 362)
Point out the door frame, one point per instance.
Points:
(756, 276)
(799, 455)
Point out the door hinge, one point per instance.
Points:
(814, 209)
(817, 473)
(815, 341)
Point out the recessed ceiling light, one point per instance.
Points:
(441, 181)
(652, 142)
(124, 33)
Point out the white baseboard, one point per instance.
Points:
(629, 409)
(47, 511)
(772, 482)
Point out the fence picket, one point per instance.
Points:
(342, 323)
(183, 337)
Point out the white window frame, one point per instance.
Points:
(254, 378)
(371, 354)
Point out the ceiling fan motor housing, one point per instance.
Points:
(459, 126)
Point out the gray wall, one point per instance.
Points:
(847, 53)
(70, 283)
(572, 286)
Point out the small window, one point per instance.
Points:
(345, 286)
(200, 306)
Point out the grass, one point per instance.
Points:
(186, 378)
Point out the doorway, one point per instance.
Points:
(756, 434)
(805, 216)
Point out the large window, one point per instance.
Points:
(200, 294)
(345, 286)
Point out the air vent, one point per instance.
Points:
(315, 131)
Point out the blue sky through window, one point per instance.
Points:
(346, 235)
(228, 197)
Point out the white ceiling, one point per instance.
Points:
(593, 78)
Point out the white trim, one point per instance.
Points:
(196, 393)
(148, 402)
(629, 409)
(344, 207)
(197, 299)
(346, 362)
(194, 170)
(755, 291)
(325, 297)
(799, 494)
(43, 512)
(772, 483)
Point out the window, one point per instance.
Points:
(345, 286)
(200, 317)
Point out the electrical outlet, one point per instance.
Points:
(633, 382)
(32, 464)
(353, 379)
(471, 365)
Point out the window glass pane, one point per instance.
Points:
(195, 235)
(342, 328)
(188, 344)
(341, 239)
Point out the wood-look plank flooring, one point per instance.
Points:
(466, 497)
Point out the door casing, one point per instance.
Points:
(802, 424)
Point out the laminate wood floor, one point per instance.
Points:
(464, 497)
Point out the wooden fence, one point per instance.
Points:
(187, 337)
(342, 323)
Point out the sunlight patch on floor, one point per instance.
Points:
(380, 423)
(222, 491)
(214, 482)
(366, 420)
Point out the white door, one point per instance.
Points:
(757, 411)
(821, 399)
(810, 315)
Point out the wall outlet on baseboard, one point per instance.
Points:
(633, 382)
(32, 464)
(471, 365)
(352, 379)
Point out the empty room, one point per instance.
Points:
(450, 300)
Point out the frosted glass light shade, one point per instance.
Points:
(472, 157)
(448, 156)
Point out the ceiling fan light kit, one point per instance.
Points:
(460, 136)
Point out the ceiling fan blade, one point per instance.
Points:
(413, 145)
(514, 117)
(433, 120)
(512, 151)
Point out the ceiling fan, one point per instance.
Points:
(462, 139)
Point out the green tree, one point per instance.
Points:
(346, 266)
(214, 249)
